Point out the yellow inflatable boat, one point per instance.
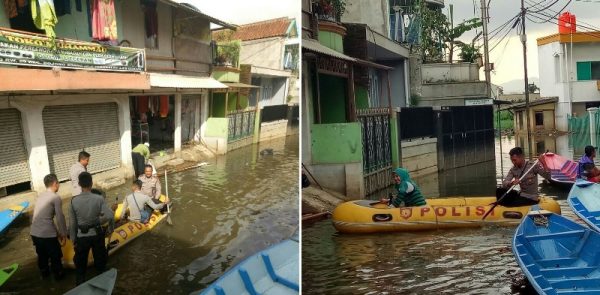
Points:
(122, 235)
(367, 216)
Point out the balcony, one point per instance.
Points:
(32, 62)
(23, 49)
(585, 91)
(226, 62)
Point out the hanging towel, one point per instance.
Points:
(44, 16)
(164, 106)
(104, 20)
(142, 104)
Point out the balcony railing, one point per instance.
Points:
(34, 50)
(325, 10)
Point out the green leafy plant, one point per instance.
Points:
(415, 99)
(228, 53)
(438, 34)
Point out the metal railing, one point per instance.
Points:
(241, 125)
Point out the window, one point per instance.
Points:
(588, 70)
(539, 118)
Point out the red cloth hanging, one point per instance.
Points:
(142, 104)
(104, 20)
(164, 106)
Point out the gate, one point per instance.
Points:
(377, 150)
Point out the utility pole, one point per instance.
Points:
(524, 42)
(486, 53)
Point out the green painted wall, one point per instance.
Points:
(231, 101)
(361, 95)
(224, 76)
(218, 105)
(336, 143)
(216, 127)
(333, 99)
(244, 101)
(332, 40)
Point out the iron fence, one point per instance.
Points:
(241, 125)
(377, 149)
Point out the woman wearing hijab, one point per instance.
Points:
(408, 191)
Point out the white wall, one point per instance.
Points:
(374, 13)
(557, 66)
(449, 72)
(266, 53)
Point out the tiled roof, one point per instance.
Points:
(259, 30)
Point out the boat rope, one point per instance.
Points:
(540, 220)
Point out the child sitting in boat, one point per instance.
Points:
(408, 191)
(591, 173)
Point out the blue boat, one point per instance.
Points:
(557, 255)
(7, 216)
(274, 270)
(584, 199)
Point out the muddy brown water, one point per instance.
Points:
(463, 261)
(223, 212)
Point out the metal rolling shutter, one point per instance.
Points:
(71, 128)
(13, 155)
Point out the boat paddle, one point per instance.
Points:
(168, 199)
(510, 189)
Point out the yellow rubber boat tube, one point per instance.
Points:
(122, 235)
(363, 216)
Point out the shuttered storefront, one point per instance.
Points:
(13, 155)
(70, 129)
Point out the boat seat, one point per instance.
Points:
(565, 234)
(571, 270)
(553, 262)
(586, 291)
(575, 283)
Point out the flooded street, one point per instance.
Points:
(462, 261)
(237, 205)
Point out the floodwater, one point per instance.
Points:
(463, 261)
(223, 212)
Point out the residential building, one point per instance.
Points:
(105, 91)
(350, 138)
(569, 67)
(269, 59)
(541, 116)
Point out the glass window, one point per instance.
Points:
(539, 118)
(595, 70)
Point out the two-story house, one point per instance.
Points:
(569, 67)
(140, 72)
(269, 57)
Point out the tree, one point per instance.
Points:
(437, 34)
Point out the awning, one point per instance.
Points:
(239, 85)
(317, 47)
(194, 9)
(181, 81)
(262, 71)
